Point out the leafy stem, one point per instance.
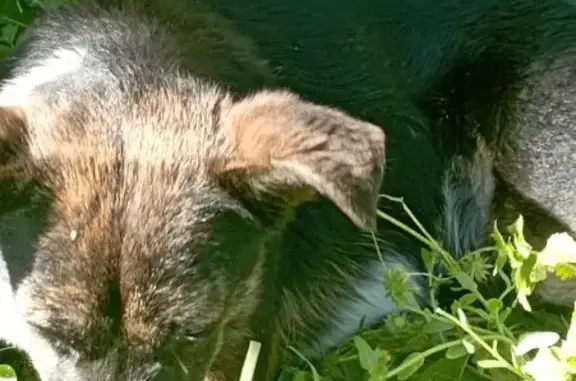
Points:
(492, 351)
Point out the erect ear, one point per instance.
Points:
(282, 142)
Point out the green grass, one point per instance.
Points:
(482, 336)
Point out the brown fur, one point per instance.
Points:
(165, 177)
(130, 187)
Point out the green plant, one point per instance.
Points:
(15, 16)
(478, 337)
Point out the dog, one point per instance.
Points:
(182, 177)
(163, 170)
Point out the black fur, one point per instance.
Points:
(440, 76)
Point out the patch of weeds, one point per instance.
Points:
(478, 338)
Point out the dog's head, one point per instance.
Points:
(155, 213)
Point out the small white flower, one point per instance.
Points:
(546, 367)
(536, 340)
(560, 248)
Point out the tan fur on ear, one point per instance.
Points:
(283, 141)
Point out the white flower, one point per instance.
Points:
(546, 367)
(536, 340)
(560, 248)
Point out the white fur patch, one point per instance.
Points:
(369, 307)
(17, 91)
(41, 353)
(15, 331)
(8, 317)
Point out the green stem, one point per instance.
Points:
(483, 250)
(315, 374)
(452, 265)
(483, 331)
(13, 22)
(506, 292)
(404, 227)
(429, 352)
(483, 343)
(407, 210)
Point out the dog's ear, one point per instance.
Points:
(279, 141)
